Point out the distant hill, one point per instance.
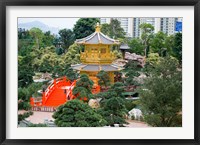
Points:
(39, 25)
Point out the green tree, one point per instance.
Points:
(161, 94)
(136, 46)
(104, 79)
(116, 31)
(169, 44)
(158, 43)
(105, 29)
(113, 105)
(84, 27)
(71, 74)
(113, 30)
(24, 116)
(73, 54)
(47, 39)
(75, 113)
(25, 42)
(37, 34)
(67, 38)
(25, 71)
(83, 88)
(178, 46)
(133, 70)
(147, 33)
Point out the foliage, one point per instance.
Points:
(104, 79)
(24, 95)
(24, 116)
(25, 71)
(84, 27)
(118, 76)
(130, 104)
(25, 41)
(47, 39)
(114, 111)
(169, 44)
(67, 38)
(153, 59)
(136, 46)
(133, 70)
(178, 46)
(113, 104)
(105, 29)
(83, 88)
(160, 95)
(117, 54)
(73, 54)
(147, 33)
(113, 30)
(38, 35)
(37, 125)
(75, 113)
(158, 43)
(60, 71)
(23, 105)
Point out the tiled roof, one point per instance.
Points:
(96, 67)
(97, 38)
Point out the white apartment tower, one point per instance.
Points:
(167, 25)
(131, 25)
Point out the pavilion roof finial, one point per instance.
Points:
(98, 29)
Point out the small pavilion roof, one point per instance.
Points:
(97, 38)
(124, 47)
(96, 67)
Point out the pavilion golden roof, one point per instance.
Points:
(97, 38)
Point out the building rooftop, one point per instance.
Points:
(96, 67)
(124, 47)
(97, 38)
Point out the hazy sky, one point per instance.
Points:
(52, 22)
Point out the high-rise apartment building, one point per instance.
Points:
(131, 25)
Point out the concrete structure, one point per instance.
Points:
(131, 25)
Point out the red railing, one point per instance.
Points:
(43, 109)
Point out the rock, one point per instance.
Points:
(135, 113)
(94, 103)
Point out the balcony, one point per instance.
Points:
(97, 58)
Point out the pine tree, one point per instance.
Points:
(76, 113)
(161, 94)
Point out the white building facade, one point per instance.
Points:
(131, 25)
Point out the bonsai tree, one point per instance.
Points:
(76, 113)
(113, 105)
(133, 69)
(104, 79)
(83, 88)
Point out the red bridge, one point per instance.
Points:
(57, 93)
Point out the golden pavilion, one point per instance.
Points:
(97, 55)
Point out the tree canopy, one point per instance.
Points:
(83, 88)
(113, 30)
(84, 27)
(161, 94)
(75, 113)
(67, 37)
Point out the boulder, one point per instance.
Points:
(135, 113)
(94, 103)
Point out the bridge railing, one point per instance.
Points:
(56, 83)
(43, 108)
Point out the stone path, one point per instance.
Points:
(39, 117)
(136, 124)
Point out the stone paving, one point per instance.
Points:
(39, 117)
